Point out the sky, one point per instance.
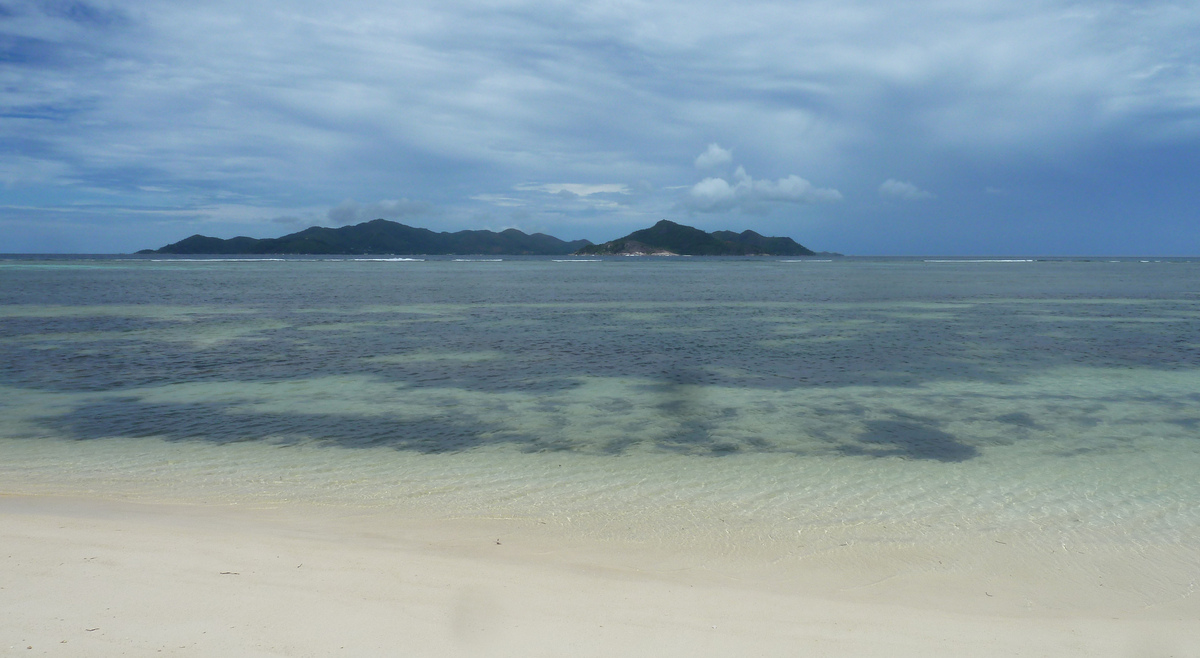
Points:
(972, 127)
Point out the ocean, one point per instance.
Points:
(788, 406)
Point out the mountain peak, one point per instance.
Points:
(669, 238)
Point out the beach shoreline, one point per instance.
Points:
(105, 577)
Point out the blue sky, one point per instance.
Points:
(866, 127)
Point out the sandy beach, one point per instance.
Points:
(108, 578)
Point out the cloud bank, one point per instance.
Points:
(717, 195)
(234, 114)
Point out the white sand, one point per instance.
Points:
(104, 578)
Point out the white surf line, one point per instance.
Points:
(983, 260)
(808, 260)
(389, 260)
(577, 260)
(478, 260)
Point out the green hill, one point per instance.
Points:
(379, 237)
(667, 237)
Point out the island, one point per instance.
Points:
(383, 237)
(666, 238)
(379, 237)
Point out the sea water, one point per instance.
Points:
(731, 402)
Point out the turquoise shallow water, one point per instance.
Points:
(739, 400)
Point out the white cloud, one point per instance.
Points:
(715, 156)
(717, 194)
(794, 188)
(498, 200)
(576, 189)
(711, 193)
(351, 212)
(903, 190)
